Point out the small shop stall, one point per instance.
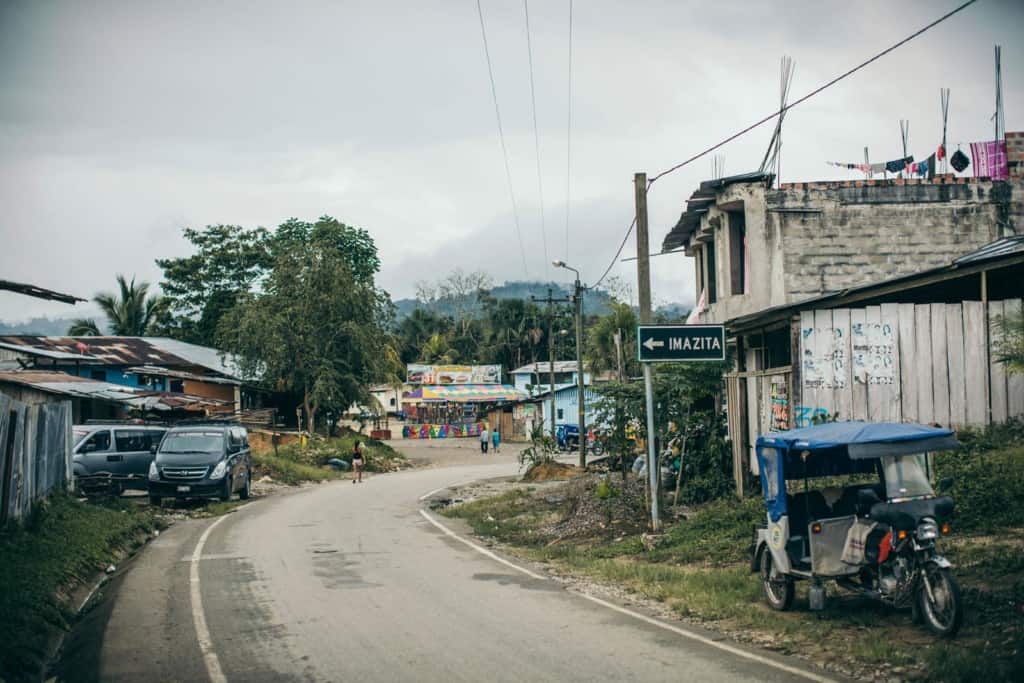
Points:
(437, 411)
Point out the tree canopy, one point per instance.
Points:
(130, 311)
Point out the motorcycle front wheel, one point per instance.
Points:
(778, 589)
(943, 610)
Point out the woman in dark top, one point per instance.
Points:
(357, 463)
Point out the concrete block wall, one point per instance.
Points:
(871, 230)
(1015, 154)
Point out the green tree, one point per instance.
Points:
(84, 327)
(1009, 343)
(601, 351)
(353, 245)
(316, 329)
(130, 312)
(228, 262)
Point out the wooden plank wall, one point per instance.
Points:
(925, 363)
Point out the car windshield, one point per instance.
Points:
(906, 477)
(193, 442)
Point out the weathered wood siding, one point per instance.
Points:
(928, 363)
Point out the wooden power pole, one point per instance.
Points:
(551, 352)
(643, 273)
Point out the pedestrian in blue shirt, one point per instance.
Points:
(496, 438)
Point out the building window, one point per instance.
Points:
(560, 414)
(392, 401)
(700, 273)
(737, 252)
(177, 386)
(100, 375)
(709, 255)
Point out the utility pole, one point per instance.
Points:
(581, 398)
(551, 353)
(643, 272)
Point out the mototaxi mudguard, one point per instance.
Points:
(762, 543)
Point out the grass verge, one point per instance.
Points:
(289, 471)
(701, 572)
(63, 545)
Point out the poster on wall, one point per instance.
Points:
(453, 374)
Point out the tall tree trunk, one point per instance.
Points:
(310, 410)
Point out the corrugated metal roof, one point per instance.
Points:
(193, 354)
(44, 353)
(107, 350)
(63, 384)
(179, 374)
(544, 367)
(1001, 247)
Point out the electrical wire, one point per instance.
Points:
(501, 136)
(536, 136)
(813, 92)
(568, 140)
(781, 111)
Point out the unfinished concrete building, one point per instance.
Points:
(825, 287)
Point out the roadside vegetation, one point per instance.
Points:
(62, 546)
(294, 463)
(700, 568)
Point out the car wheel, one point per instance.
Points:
(156, 501)
(225, 494)
(247, 489)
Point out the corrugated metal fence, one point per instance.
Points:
(35, 454)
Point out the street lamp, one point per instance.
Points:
(581, 398)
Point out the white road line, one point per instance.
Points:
(440, 488)
(642, 617)
(479, 549)
(198, 617)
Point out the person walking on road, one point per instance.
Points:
(358, 457)
(496, 440)
(484, 437)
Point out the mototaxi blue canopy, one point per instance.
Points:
(838, 448)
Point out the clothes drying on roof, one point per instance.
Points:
(990, 160)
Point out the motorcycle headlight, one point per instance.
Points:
(220, 470)
(154, 473)
(927, 531)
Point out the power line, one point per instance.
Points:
(813, 92)
(536, 135)
(781, 111)
(568, 140)
(501, 136)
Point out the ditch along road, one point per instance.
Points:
(346, 582)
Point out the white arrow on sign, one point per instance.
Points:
(650, 344)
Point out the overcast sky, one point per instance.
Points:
(123, 122)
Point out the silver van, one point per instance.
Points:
(114, 456)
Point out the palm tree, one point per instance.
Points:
(130, 313)
(84, 327)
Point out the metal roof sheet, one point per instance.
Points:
(997, 249)
(544, 367)
(203, 356)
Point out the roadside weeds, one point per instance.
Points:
(699, 572)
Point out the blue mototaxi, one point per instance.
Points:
(876, 539)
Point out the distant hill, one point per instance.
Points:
(46, 327)
(595, 301)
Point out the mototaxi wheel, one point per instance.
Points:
(778, 589)
(943, 612)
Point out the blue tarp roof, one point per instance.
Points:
(832, 434)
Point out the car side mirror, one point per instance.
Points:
(152, 449)
(945, 484)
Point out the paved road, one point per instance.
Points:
(347, 582)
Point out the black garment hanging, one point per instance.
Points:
(959, 161)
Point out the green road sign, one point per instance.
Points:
(675, 343)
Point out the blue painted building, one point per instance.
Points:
(536, 377)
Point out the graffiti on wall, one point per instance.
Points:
(824, 362)
(441, 431)
(804, 416)
(779, 402)
(873, 353)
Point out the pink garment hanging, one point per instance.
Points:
(990, 160)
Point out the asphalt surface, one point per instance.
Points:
(346, 582)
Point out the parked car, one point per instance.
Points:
(113, 456)
(202, 460)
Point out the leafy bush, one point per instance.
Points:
(64, 543)
(542, 449)
(988, 477)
